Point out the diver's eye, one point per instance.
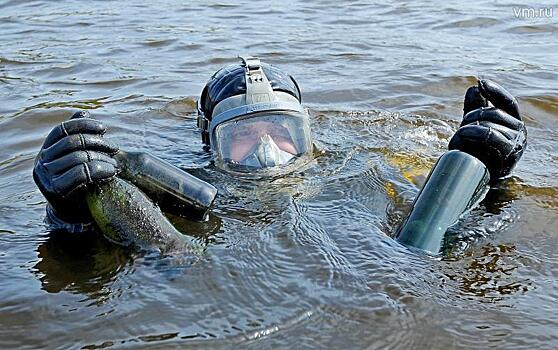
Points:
(242, 133)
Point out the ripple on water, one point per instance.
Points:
(533, 29)
(469, 23)
(159, 42)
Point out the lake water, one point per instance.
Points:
(305, 261)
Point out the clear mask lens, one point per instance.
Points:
(261, 141)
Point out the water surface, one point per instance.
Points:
(302, 262)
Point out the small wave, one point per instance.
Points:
(469, 23)
(159, 42)
(533, 29)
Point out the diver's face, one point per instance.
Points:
(247, 137)
(263, 140)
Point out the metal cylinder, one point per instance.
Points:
(457, 183)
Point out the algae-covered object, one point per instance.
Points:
(454, 186)
(127, 216)
(173, 189)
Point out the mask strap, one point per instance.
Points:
(258, 88)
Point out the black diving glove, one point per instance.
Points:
(74, 157)
(492, 129)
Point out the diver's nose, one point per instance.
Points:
(268, 152)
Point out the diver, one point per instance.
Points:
(252, 121)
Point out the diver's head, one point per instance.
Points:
(251, 117)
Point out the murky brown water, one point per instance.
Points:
(306, 261)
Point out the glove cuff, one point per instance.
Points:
(55, 222)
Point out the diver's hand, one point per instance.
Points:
(492, 129)
(74, 157)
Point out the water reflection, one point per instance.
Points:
(487, 273)
(501, 196)
(86, 263)
(204, 231)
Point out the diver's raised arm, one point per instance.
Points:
(492, 129)
(74, 157)
(485, 148)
